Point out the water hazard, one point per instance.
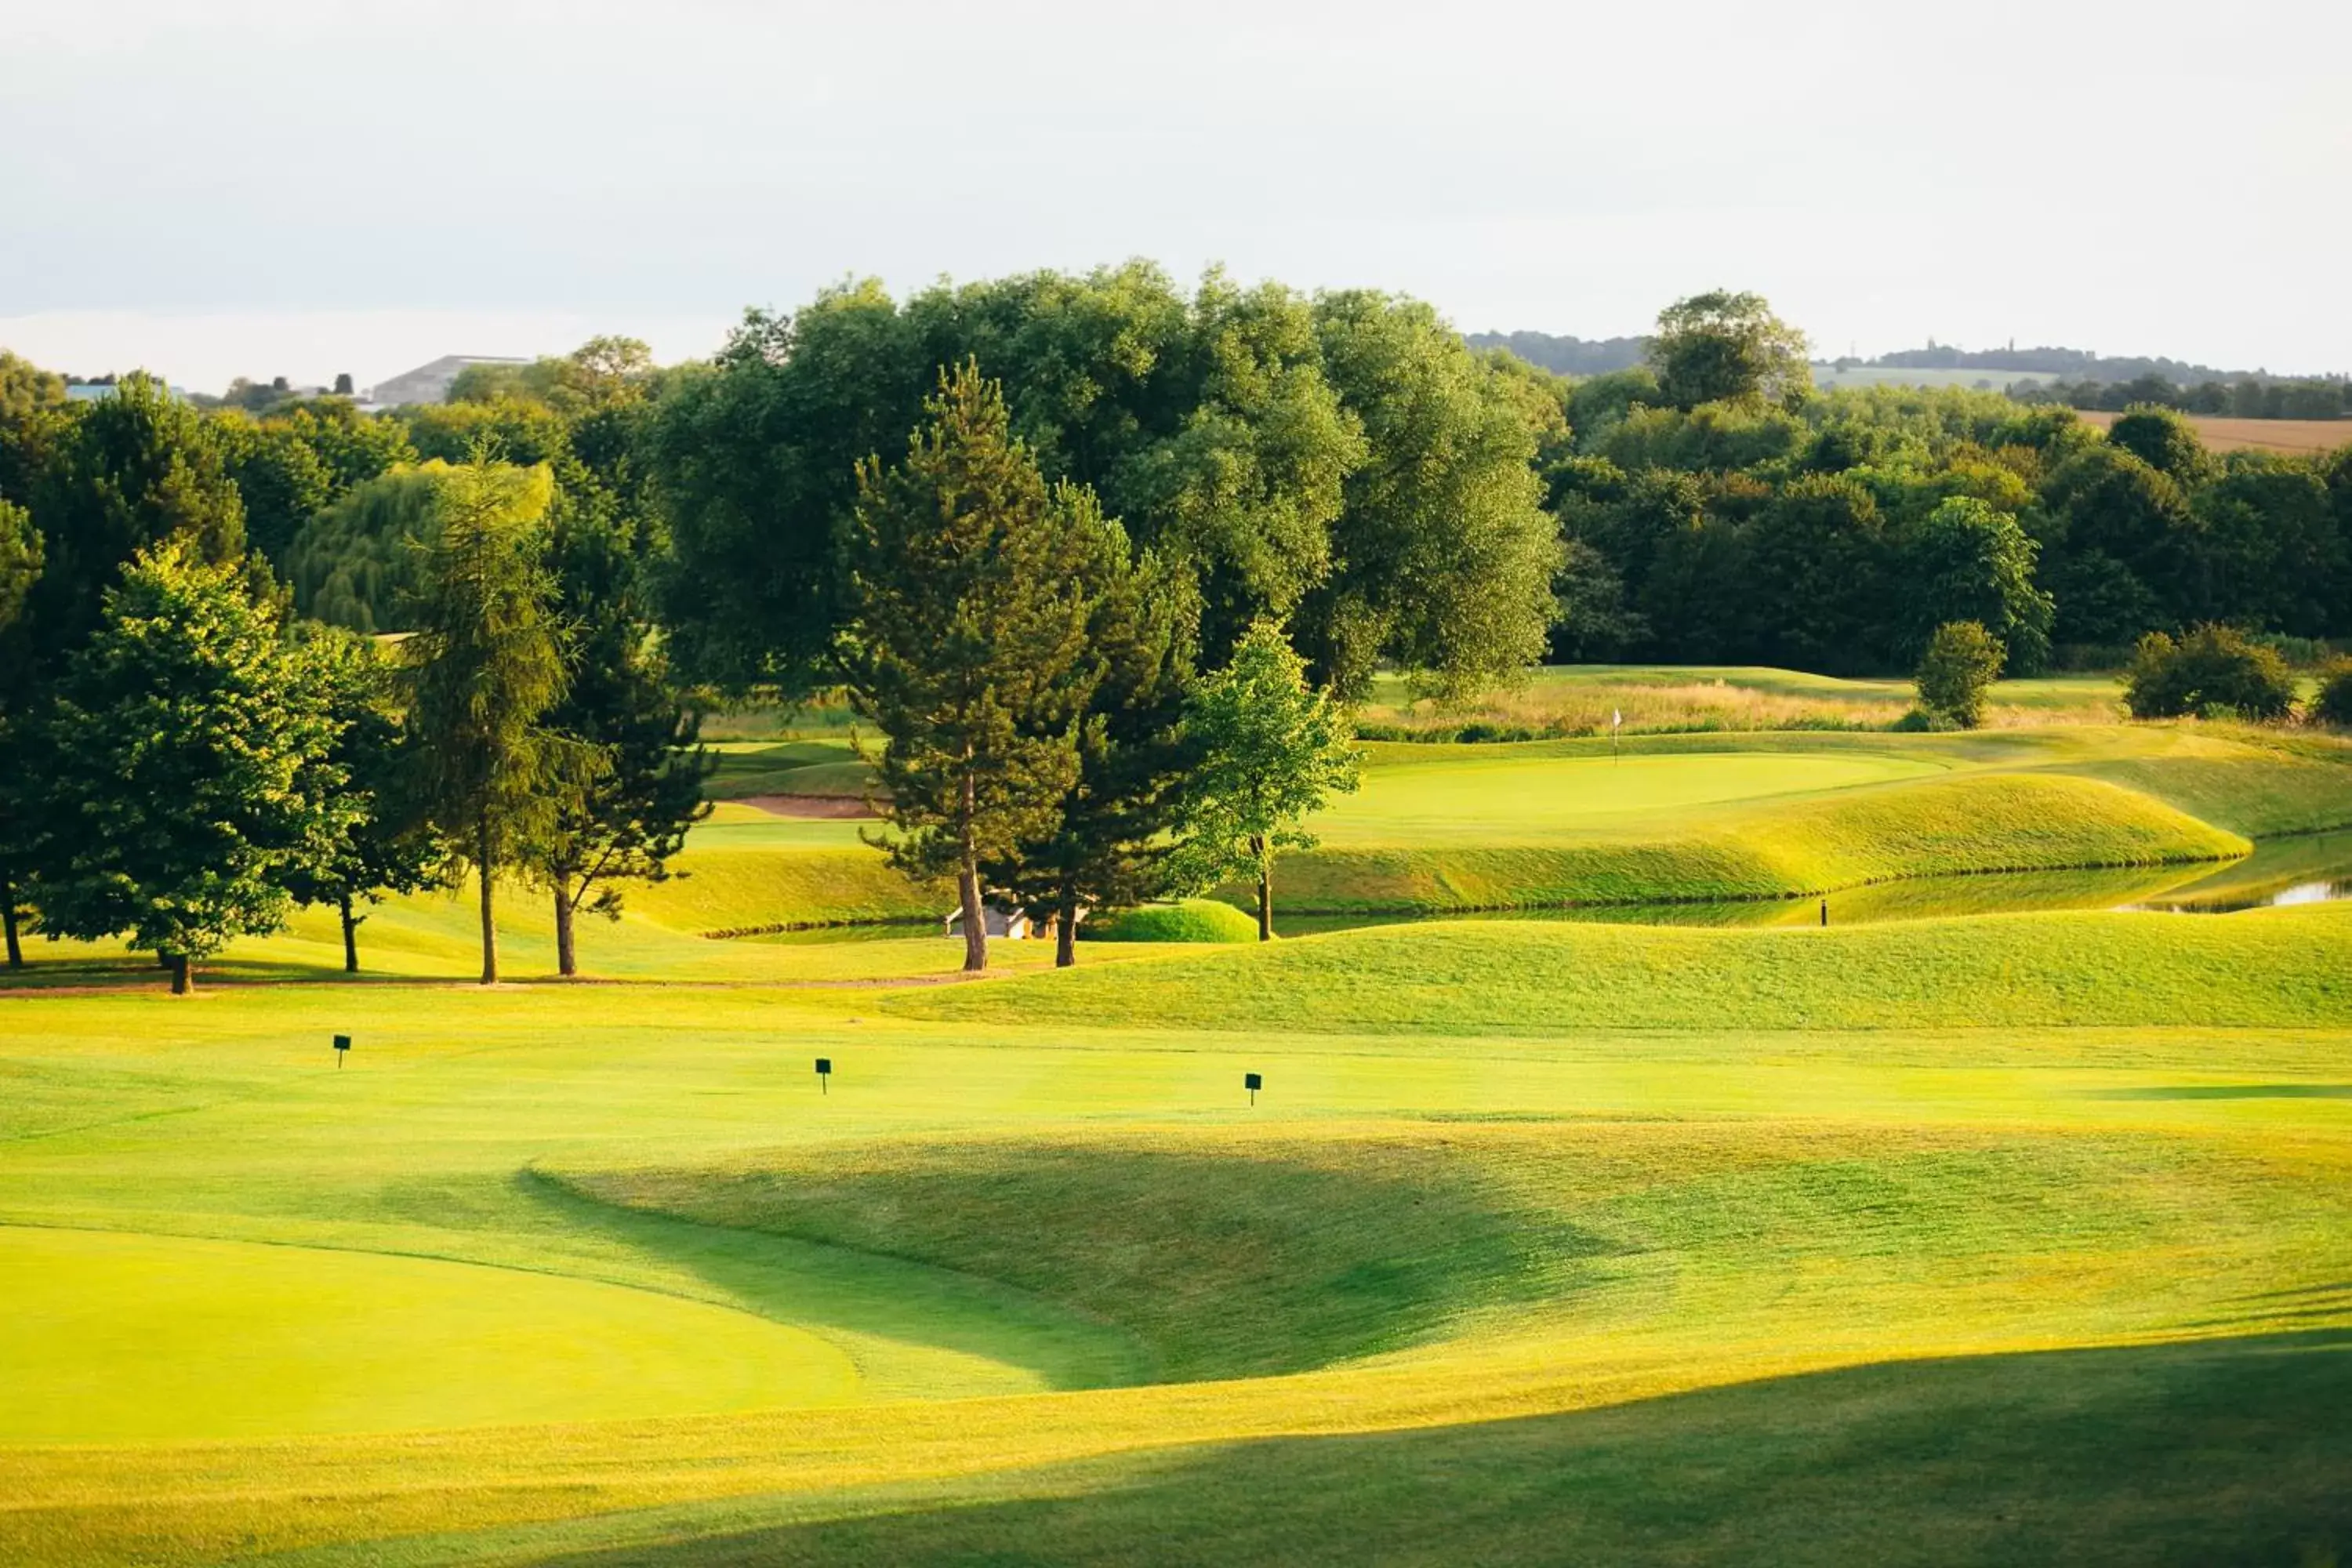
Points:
(2314, 870)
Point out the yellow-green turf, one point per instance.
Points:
(1986, 1239)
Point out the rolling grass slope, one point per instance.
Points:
(2275, 968)
(1423, 1237)
(1781, 847)
(2002, 1240)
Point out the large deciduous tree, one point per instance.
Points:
(1442, 556)
(487, 662)
(968, 641)
(1269, 750)
(1722, 347)
(101, 482)
(1967, 560)
(175, 758)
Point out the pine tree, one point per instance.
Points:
(487, 663)
(636, 805)
(174, 755)
(382, 845)
(1108, 847)
(968, 646)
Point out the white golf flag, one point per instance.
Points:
(1616, 718)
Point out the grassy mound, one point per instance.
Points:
(2279, 968)
(1192, 920)
(1941, 827)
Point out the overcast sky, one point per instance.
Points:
(231, 187)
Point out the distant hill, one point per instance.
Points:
(1996, 368)
(1564, 356)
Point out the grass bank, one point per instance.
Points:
(2278, 968)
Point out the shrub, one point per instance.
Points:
(2211, 670)
(1962, 660)
(2333, 703)
(1190, 919)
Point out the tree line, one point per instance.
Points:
(1740, 521)
(185, 757)
(1103, 559)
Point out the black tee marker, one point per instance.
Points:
(342, 1050)
(1252, 1082)
(824, 1075)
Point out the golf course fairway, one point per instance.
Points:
(1988, 1236)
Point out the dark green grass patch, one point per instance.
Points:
(1225, 1263)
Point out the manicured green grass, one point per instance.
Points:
(1772, 848)
(1987, 1239)
(1413, 1232)
(120, 1337)
(2074, 1457)
(2278, 968)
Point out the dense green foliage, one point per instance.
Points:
(1106, 848)
(2333, 705)
(1960, 664)
(1837, 535)
(973, 587)
(173, 762)
(1724, 347)
(2213, 670)
(1187, 920)
(486, 664)
(1344, 463)
(377, 842)
(355, 564)
(1271, 751)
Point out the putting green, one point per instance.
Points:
(110, 1337)
(1519, 798)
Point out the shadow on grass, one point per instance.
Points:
(2230, 1091)
(827, 1287)
(2227, 1451)
(1229, 1263)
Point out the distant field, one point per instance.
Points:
(1826, 375)
(1582, 699)
(2293, 436)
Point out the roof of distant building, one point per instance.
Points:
(430, 382)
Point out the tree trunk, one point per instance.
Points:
(975, 917)
(564, 964)
(485, 872)
(183, 975)
(8, 919)
(350, 936)
(1264, 888)
(975, 920)
(1065, 931)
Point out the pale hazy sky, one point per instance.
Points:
(214, 188)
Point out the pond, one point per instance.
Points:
(2313, 869)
